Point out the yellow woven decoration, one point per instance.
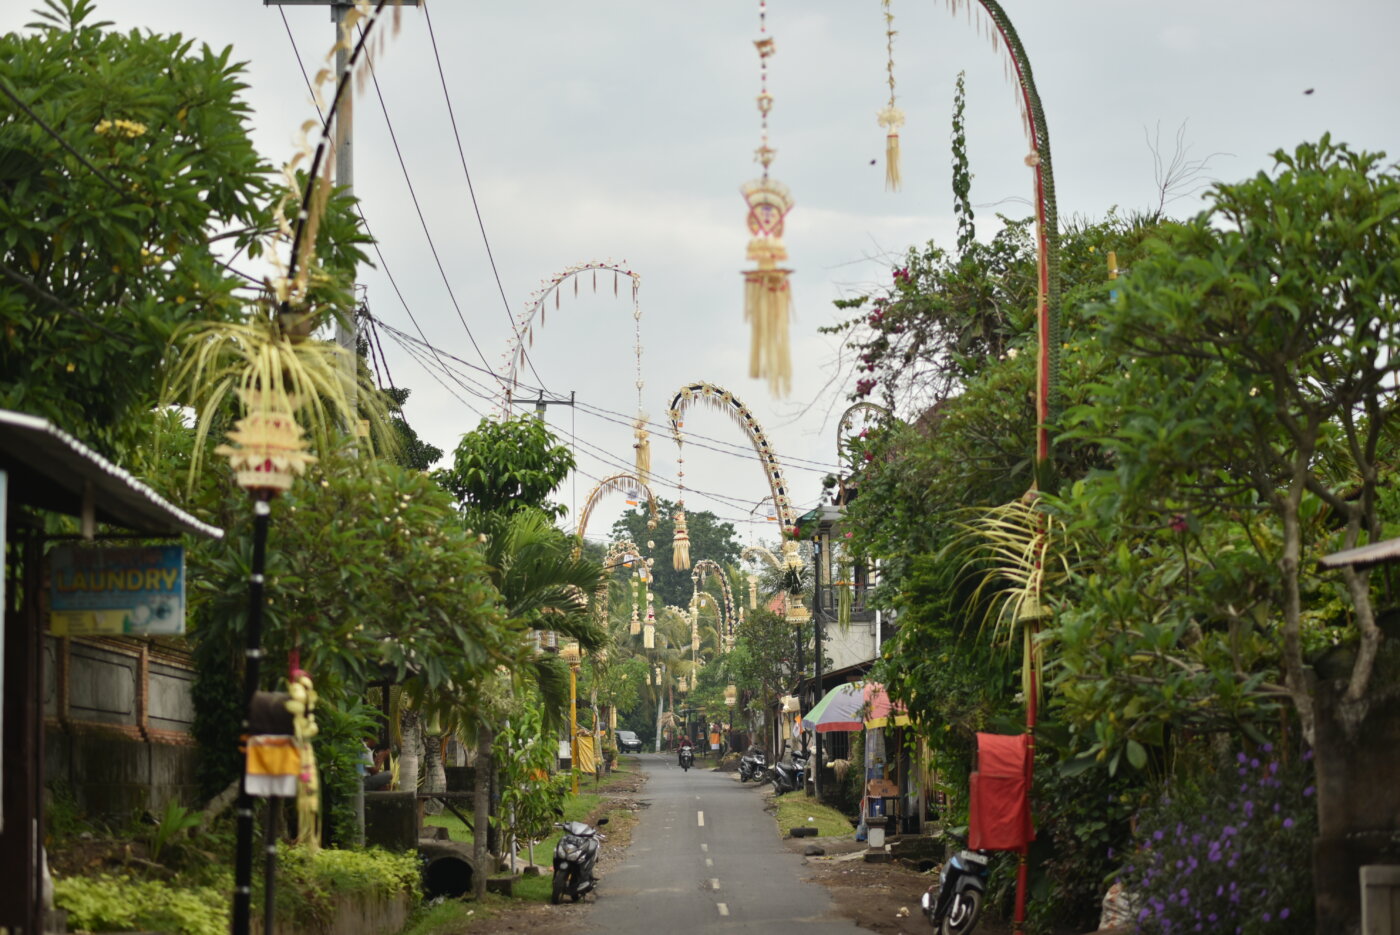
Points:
(642, 447)
(304, 729)
(890, 117)
(767, 294)
(680, 545)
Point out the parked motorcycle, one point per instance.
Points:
(687, 758)
(575, 856)
(752, 764)
(955, 901)
(790, 776)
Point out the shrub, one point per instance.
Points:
(1229, 852)
(121, 903)
(308, 881)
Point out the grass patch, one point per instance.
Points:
(796, 810)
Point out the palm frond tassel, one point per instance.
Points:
(767, 307)
(680, 545)
(892, 177)
(642, 448)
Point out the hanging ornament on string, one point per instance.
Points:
(680, 539)
(649, 628)
(890, 117)
(635, 626)
(767, 293)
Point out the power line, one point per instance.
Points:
(729, 448)
(393, 138)
(471, 189)
(473, 387)
(374, 241)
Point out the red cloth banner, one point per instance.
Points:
(998, 803)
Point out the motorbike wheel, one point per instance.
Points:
(561, 880)
(962, 914)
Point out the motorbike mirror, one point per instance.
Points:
(559, 811)
(601, 822)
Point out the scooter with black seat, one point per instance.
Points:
(575, 856)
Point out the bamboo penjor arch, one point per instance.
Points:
(719, 398)
(616, 483)
(1005, 41)
(1004, 34)
(697, 576)
(524, 332)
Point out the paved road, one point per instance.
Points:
(706, 858)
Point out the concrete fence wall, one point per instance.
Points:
(118, 714)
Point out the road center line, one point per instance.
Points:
(709, 862)
(704, 848)
(701, 816)
(714, 883)
(723, 909)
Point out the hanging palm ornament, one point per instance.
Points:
(649, 628)
(890, 117)
(767, 294)
(635, 626)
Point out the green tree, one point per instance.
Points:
(1253, 397)
(500, 467)
(709, 538)
(104, 256)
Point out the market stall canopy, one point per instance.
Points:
(51, 470)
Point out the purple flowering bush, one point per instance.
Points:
(1228, 850)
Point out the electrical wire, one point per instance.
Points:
(413, 194)
(729, 448)
(471, 190)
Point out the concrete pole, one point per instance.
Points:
(347, 336)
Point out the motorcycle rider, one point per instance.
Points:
(682, 747)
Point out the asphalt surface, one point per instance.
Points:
(706, 857)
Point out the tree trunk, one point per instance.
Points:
(411, 732)
(660, 710)
(435, 779)
(481, 806)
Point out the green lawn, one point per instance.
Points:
(797, 810)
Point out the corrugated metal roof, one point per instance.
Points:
(50, 469)
(1373, 554)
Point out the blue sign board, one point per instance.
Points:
(117, 591)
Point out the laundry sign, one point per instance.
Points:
(117, 591)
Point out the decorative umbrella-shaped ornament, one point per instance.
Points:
(767, 294)
(890, 117)
(268, 449)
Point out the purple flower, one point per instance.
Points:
(1288, 822)
(1248, 808)
(1309, 791)
(1268, 748)
(1268, 917)
(1241, 757)
(1157, 835)
(1307, 755)
(1283, 913)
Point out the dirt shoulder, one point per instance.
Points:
(621, 803)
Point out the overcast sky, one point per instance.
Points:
(622, 130)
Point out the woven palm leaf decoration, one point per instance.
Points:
(890, 117)
(767, 293)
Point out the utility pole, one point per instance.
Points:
(346, 335)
